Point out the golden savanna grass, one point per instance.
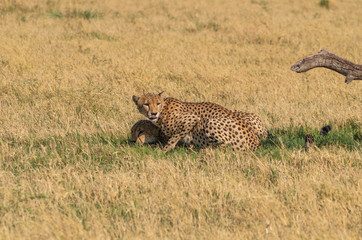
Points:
(68, 70)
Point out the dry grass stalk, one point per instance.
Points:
(68, 70)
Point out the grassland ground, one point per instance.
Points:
(68, 70)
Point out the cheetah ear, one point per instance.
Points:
(161, 93)
(135, 99)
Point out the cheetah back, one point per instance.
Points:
(209, 123)
(255, 122)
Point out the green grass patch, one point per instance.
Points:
(105, 150)
(347, 135)
(324, 4)
(17, 8)
(75, 13)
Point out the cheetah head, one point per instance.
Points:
(150, 105)
(145, 132)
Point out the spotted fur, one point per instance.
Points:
(145, 132)
(208, 124)
(255, 122)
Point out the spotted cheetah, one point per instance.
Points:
(145, 132)
(209, 124)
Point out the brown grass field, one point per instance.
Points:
(68, 70)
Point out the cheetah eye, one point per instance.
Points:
(146, 104)
(158, 104)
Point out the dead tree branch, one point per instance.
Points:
(329, 60)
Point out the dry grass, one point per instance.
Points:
(68, 70)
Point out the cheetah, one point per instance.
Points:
(145, 132)
(209, 124)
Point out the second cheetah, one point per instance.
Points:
(145, 132)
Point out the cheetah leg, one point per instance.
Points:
(186, 128)
(171, 143)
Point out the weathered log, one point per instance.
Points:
(329, 60)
